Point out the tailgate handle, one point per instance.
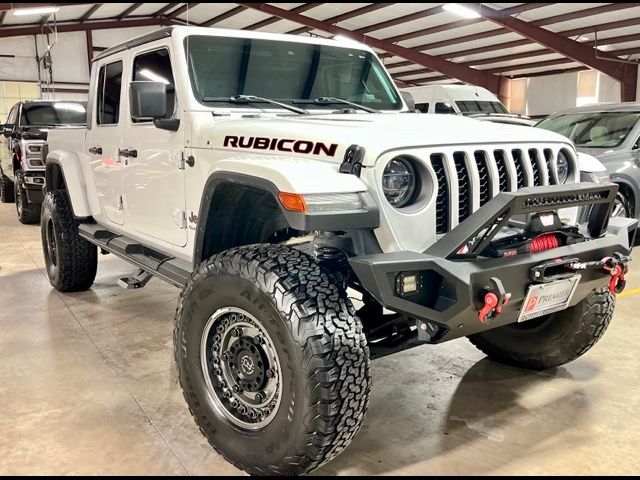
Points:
(96, 150)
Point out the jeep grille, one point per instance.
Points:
(471, 177)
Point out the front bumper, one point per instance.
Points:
(451, 283)
(33, 185)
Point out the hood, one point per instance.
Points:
(326, 137)
(33, 133)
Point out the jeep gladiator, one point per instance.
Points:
(265, 175)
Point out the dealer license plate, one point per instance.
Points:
(545, 298)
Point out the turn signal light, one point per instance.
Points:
(294, 202)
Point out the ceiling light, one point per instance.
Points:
(460, 10)
(35, 10)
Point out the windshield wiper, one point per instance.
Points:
(254, 99)
(332, 100)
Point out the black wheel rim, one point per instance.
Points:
(619, 207)
(51, 243)
(241, 368)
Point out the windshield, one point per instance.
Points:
(476, 106)
(594, 129)
(58, 113)
(222, 67)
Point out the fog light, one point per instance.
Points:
(407, 284)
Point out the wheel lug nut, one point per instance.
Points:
(270, 373)
(242, 409)
(260, 396)
(258, 339)
(234, 403)
(237, 389)
(226, 394)
(225, 356)
(236, 332)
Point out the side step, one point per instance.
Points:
(168, 268)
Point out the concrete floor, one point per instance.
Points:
(88, 386)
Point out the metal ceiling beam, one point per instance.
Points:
(466, 74)
(181, 10)
(625, 73)
(223, 16)
(345, 16)
(35, 29)
(398, 20)
(164, 9)
(129, 10)
(273, 19)
(90, 12)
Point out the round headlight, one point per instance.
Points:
(399, 182)
(562, 167)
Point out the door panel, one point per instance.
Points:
(104, 140)
(154, 180)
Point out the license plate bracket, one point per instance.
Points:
(546, 298)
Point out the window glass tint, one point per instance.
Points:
(53, 113)
(295, 72)
(477, 106)
(593, 129)
(444, 107)
(422, 107)
(109, 90)
(156, 66)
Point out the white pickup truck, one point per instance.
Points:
(265, 175)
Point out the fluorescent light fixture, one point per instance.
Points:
(146, 73)
(35, 11)
(460, 10)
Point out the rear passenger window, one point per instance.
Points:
(444, 107)
(156, 66)
(422, 107)
(109, 90)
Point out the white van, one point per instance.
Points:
(467, 100)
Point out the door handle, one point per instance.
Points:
(96, 150)
(125, 152)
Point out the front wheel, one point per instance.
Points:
(552, 340)
(27, 212)
(272, 360)
(6, 189)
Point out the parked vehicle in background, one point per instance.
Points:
(467, 100)
(273, 178)
(611, 133)
(23, 150)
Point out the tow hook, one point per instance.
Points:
(494, 297)
(616, 266)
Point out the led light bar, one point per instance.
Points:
(35, 11)
(460, 10)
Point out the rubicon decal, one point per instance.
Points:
(281, 145)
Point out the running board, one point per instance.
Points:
(168, 268)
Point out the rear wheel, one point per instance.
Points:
(27, 212)
(552, 340)
(272, 360)
(622, 206)
(6, 189)
(71, 261)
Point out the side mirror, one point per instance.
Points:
(408, 99)
(148, 100)
(7, 130)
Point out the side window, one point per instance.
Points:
(109, 92)
(422, 107)
(444, 107)
(156, 66)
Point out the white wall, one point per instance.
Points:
(68, 54)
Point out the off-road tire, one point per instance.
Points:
(553, 340)
(27, 212)
(71, 261)
(6, 189)
(322, 349)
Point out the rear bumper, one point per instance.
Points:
(451, 284)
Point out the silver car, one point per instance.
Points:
(611, 133)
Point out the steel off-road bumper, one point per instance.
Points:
(451, 284)
(33, 184)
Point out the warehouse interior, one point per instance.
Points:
(89, 379)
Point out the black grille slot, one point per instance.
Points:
(485, 180)
(442, 199)
(503, 171)
(548, 157)
(464, 188)
(533, 157)
(520, 172)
